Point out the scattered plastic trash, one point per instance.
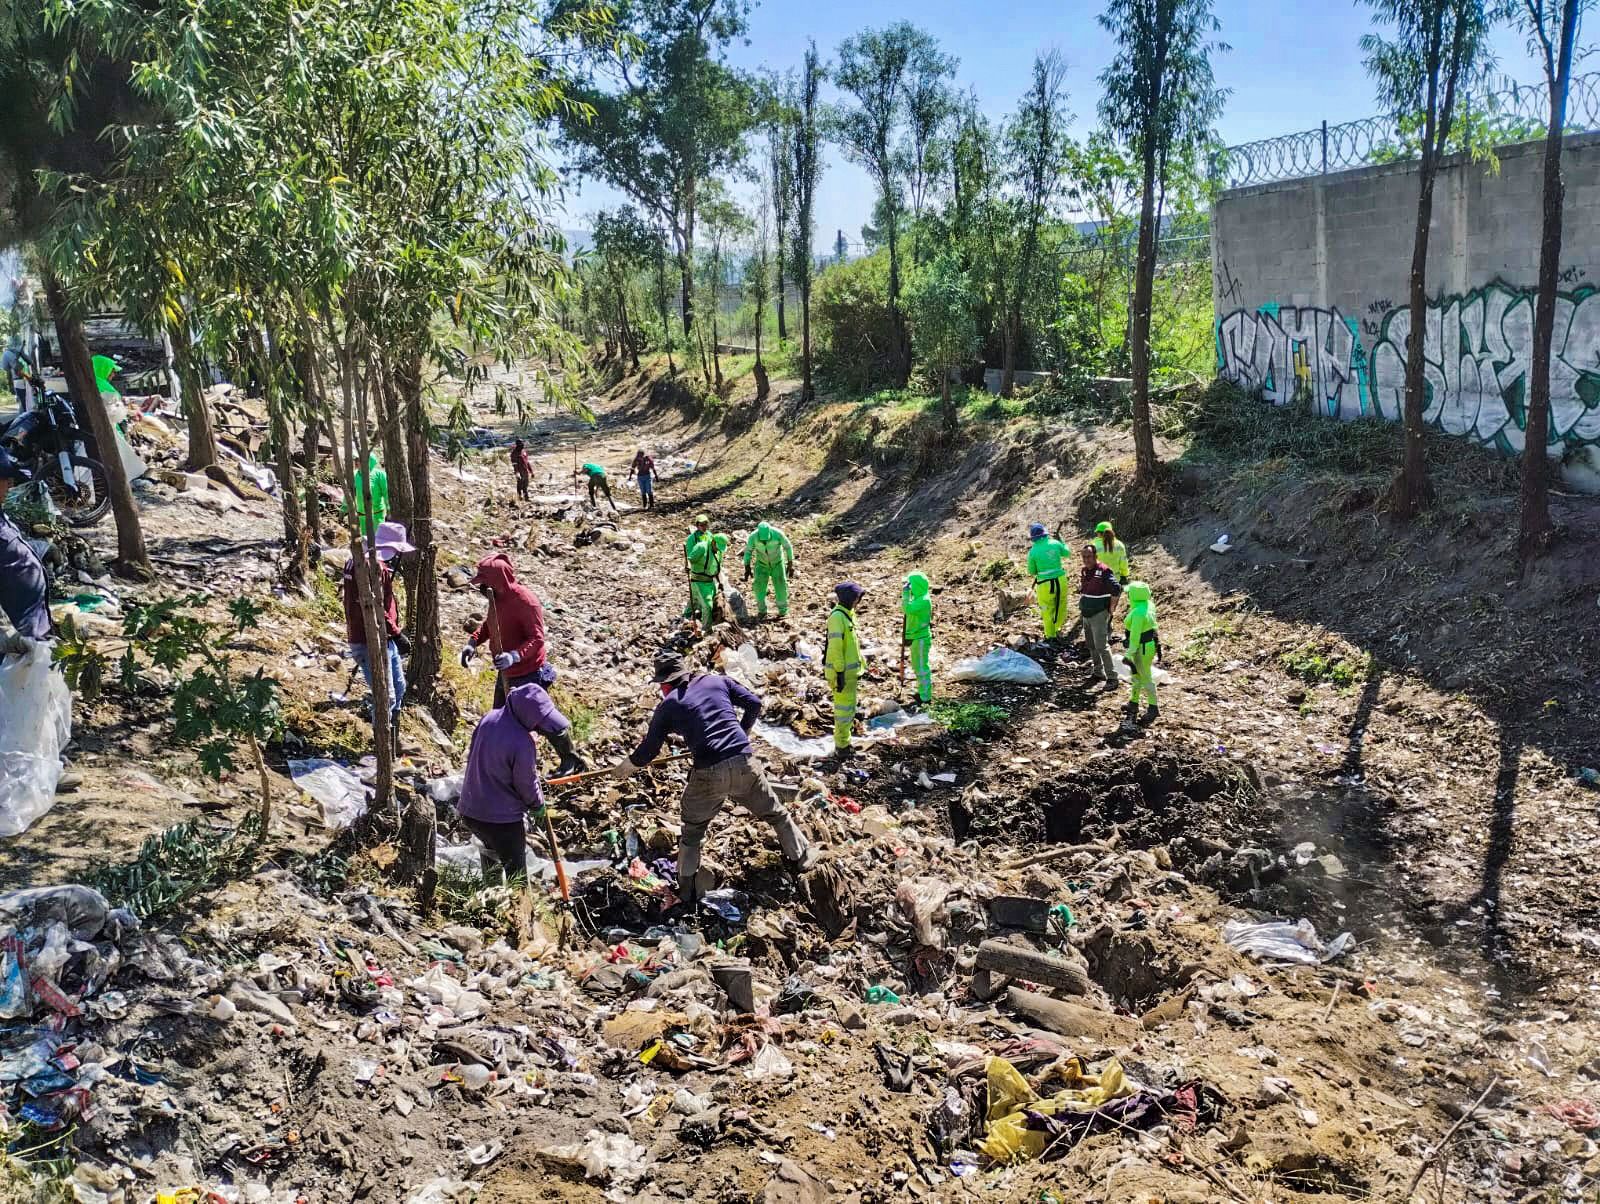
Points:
(1284, 941)
(1000, 664)
(880, 994)
(446, 789)
(1589, 776)
(769, 1063)
(444, 1190)
(807, 651)
(462, 857)
(343, 797)
(898, 718)
(797, 748)
(730, 905)
(1224, 544)
(35, 725)
(743, 664)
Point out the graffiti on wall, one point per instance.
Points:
(1476, 352)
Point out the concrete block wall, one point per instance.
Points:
(1310, 286)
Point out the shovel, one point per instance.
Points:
(597, 773)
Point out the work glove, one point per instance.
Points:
(468, 651)
(788, 569)
(402, 644)
(539, 814)
(505, 660)
(747, 572)
(835, 684)
(1128, 661)
(624, 769)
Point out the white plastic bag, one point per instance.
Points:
(795, 747)
(35, 725)
(744, 666)
(1283, 941)
(1002, 664)
(343, 797)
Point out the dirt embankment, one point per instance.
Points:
(1306, 763)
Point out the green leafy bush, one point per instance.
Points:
(853, 330)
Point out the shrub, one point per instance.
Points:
(853, 331)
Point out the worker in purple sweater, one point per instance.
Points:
(501, 784)
(713, 715)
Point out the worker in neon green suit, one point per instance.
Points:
(705, 568)
(1113, 553)
(842, 662)
(380, 494)
(1044, 566)
(917, 605)
(1144, 649)
(770, 555)
(104, 369)
(701, 530)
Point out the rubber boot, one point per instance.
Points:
(394, 736)
(571, 762)
(1151, 714)
(804, 863)
(1130, 712)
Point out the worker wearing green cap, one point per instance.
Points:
(1113, 553)
(597, 484)
(702, 525)
(705, 570)
(769, 554)
(1044, 566)
(1144, 649)
(373, 477)
(916, 603)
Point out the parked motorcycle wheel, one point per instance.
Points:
(92, 500)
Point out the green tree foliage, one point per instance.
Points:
(881, 71)
(659, 114)
(806, 145)
(1431, 55)
(855, 328)
(943, 330)
(1160, 101)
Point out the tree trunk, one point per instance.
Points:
(1144, 444)
(947, 405)
(808, 391)
(902, 349)
(132, 560)
(312, 446)
(1536, 528)
(422, 578)
(396, 460)
(783, 330)
(196, 409)
(1008, 354)
(1412, 490)
(295, 540)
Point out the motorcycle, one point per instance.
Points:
(49, 440)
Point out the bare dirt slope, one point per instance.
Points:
(1458, 865)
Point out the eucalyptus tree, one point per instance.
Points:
(1551, 27)
(1160, 100)
(64, 83)
(1037, 140)
(806, 145)
(880, 70)
(1421, 70)
(659, 113)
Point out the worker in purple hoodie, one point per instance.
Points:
(501, 784)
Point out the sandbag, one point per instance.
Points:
(35, 725)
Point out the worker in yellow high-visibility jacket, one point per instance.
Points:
(842, 662)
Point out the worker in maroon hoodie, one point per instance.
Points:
(514, 630)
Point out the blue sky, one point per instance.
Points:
(1293, 64)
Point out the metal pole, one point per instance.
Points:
(1324, 148)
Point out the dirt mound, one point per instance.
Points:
(1150, 798)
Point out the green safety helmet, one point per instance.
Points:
(721, 541)
(763, 530)
(918, 584)
(1102, 527)
(1138, 592)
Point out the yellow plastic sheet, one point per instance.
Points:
(1007, 1138)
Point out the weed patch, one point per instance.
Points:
(1315, 665)
(174, 866)
(968, 718)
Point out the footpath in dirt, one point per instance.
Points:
(1304, 936)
